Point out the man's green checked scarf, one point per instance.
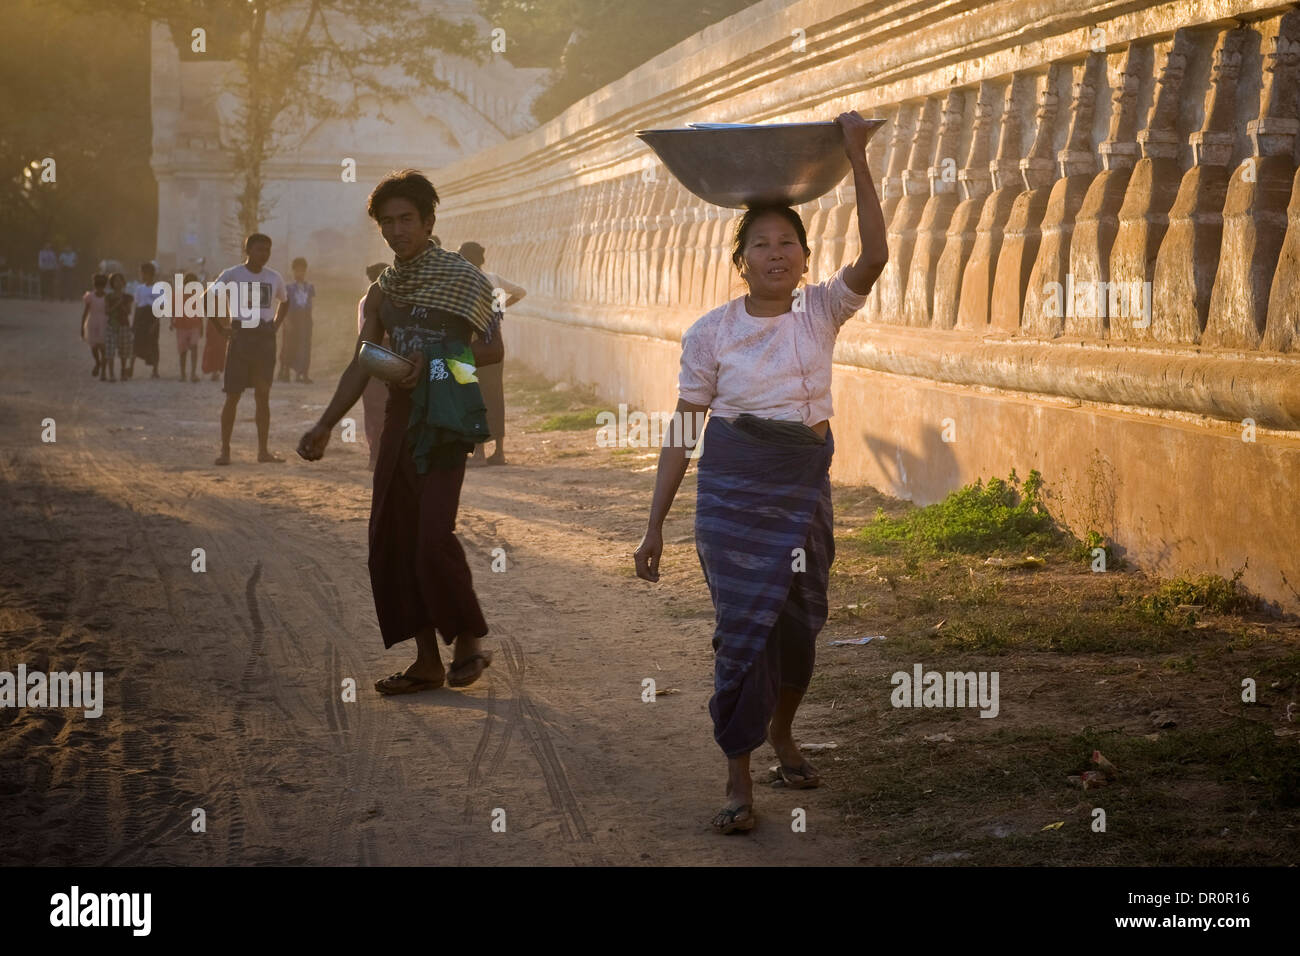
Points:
(439, 279)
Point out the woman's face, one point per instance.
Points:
(773, 257)
(117, 284)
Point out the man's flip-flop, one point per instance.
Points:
(731, 821)
(463, 673)
(802, 777)
(400, 683)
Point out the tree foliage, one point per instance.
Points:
(589, 43)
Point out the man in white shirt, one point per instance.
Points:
(491, 377)
(253, 290)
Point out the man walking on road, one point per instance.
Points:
(250, 356)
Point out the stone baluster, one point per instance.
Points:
(1048, 287)
(975, 182)
(1022, 235)
(815, 227)
(841, 231)
(618, 247)
(636, 237)
(1152, 189)
(891, 186)
(932, 229)
(902, 226)
(1282, 327)
(589, 258)
(1097, 223)
(1254, 213)
(693, 257)
(1188, 256)
(1006, 181)
(712, 238)
(650, 243)
(672, 274)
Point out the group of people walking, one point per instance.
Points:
(760, 367)
(119, 325)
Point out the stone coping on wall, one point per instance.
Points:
(743, 69)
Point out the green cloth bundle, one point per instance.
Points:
(448, 416)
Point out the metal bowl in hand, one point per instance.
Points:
(382, 363)
(740, 164)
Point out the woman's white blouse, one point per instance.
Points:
(770, 366)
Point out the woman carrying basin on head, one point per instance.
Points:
(763, 529)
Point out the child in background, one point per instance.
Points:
(214, 349)
(94, 323)
(295, 349)
(144, 331)
(119, 339)
(189, 330)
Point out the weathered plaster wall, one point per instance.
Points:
(1030, 143)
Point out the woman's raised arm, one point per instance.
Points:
(862, 274)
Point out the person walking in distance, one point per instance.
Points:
(492, 377)
(189, 331)
(296, 345)
(94, 324)
(145, 327)
(118, 338)
(250, 355)
(47, 262)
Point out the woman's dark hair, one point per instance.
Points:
(409, 184)
(752, 214)
(98, 279)
(116, 275)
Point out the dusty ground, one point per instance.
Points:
(224, 688)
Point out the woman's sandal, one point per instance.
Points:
(400, 683)
(730, 821)
(463, 673)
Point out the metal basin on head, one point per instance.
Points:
(744, 164)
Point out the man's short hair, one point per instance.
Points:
(472, 251)
(374, 269)
(408, 184)
(150, 266)
(300, 261)
(256, 237)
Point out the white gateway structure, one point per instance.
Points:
(313, 212)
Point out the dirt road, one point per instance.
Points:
(224, 689)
